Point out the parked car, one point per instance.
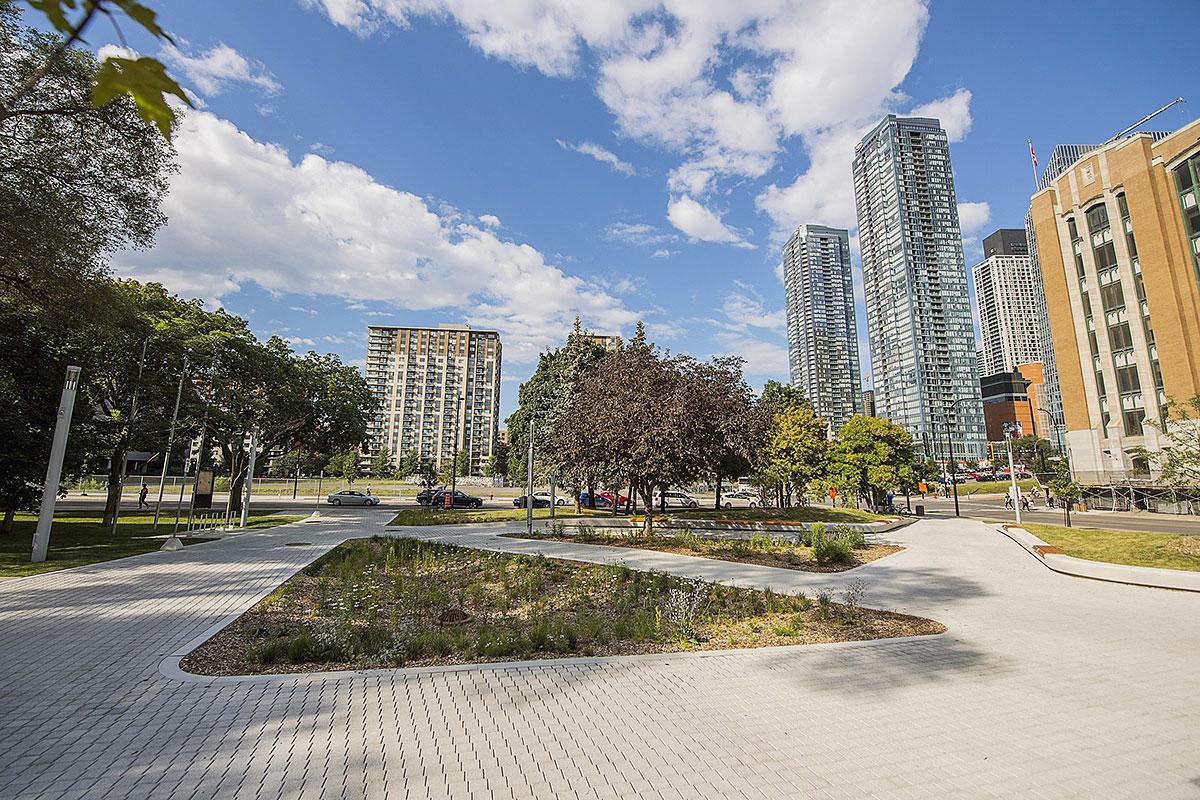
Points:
(984, 477)
(610, 497)
(538, 502)
(425, 496)
(349, 497)
(601, 500)
(458, 500)
(558, 500)
(675, 500)
(740, 498)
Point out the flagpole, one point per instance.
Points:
(1033, 164)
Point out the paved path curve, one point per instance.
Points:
(1046, 686)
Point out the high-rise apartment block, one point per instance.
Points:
(1008, 296)
(822, 340)
(918, 313)
(438, 391)
(1118, 241)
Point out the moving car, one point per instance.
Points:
(458, 500)
(538, 501)
(349, 497)
(675, 500)
(559, 500)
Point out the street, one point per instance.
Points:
(993, 508)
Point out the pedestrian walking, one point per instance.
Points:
(142, 496)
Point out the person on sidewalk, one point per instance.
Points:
(145, 490)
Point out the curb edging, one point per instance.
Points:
(1056, 560)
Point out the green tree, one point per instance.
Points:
(1179, 457)
(798, 449)
(142, 79)
(410, 464)
(462, 463)
(1034, 452)
(871, 457)
(381, 466)
(1065, 488)
(344, 465)
(427, 474)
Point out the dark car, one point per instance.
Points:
(425, 496)
(538, 502)
(601, 500)
(458, 500)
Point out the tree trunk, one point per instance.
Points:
(591, 492)
(648, 500)
(717, 504)
(9, 515)
(115, 467)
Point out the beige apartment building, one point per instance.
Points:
(1118, 242)
(438, 391)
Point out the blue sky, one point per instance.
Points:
(514, 164)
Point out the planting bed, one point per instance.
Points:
(401, 602)
(840, 550)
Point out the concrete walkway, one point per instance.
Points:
(1046, 686)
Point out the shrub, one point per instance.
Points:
(824, 604)
(793, 626)
(853, 537)
(828, 550)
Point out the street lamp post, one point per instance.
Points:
(162, 478)
(950, 446)
(58, 449)
(454, 462)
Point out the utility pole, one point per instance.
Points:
(58, 449)
(529, 484)
(162, 478)
(1009, 429)
(128, 435)
(250, 473)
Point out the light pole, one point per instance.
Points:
(162, 478)
(454, 462)
(529, 483)
(950, 448)
(128, 436)
(58, 449)
(249, 474)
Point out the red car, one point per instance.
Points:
(610, 497)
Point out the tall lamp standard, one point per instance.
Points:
(950, 449)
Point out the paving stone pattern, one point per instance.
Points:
(1046, 686)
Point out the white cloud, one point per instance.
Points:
(724, 86)
(700, 223)
(954, 112)
(747, 306)
(661, 252)
(220, 66)
(312, 312)
(242, 211)
(491, 220)
(972, 217)
(600, 154)
(320, 149)
(115, 51)
(639, 233)
(299, 340)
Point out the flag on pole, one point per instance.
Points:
(1033, 158)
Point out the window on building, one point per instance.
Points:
(1112, 296)
(1133, 421)
(1097, 218)
(1187, 182)
(1119, 336)
(1127, 380)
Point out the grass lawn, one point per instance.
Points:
(394, 602)
(1165, 550)
(758, 549)
(815, 513)
(424, 516)
(992, 487)
(77, 538)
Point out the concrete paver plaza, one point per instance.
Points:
(1045, 687)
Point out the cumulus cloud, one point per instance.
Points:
(954, 112)
(600, 154)
(724, 86)
(491, 220)
(241, 211)
(214, 70)
(972, 217)
(701, 223)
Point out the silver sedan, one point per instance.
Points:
(349, 497)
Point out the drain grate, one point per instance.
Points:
(297, 544)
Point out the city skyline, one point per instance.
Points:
(349, 203)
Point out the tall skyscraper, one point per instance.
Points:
(918, 312)
(1008, 296)
(1118, 241)
(822, 341)
(438, 391)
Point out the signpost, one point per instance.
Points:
(58, 449)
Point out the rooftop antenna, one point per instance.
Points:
(1144, 120)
